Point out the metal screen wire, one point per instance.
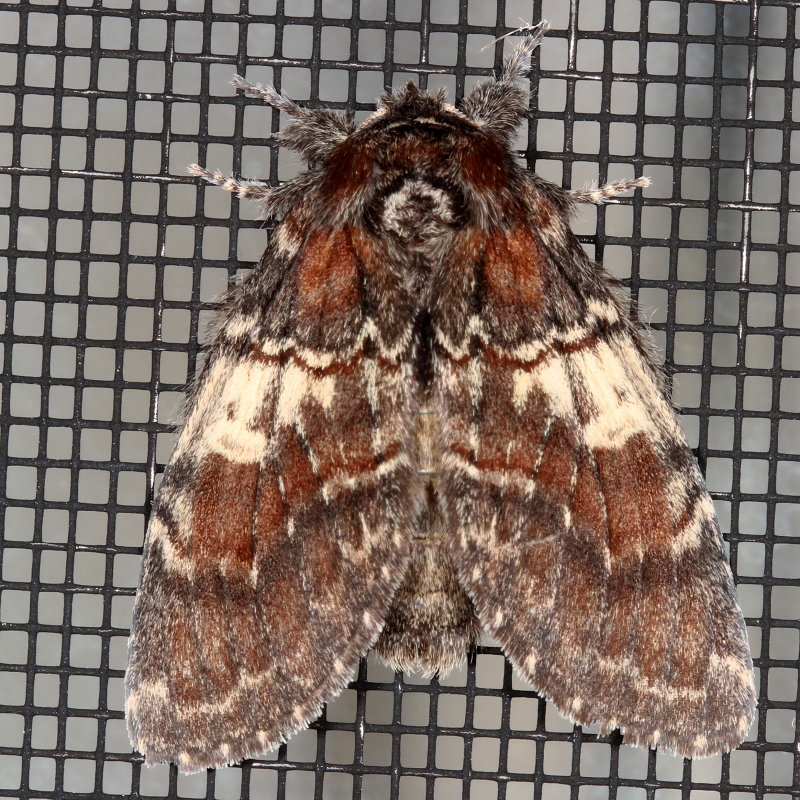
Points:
(113, 254)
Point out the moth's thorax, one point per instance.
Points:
(418, 209)
(421, 207)
(418, 200)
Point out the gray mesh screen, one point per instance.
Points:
(111, 254)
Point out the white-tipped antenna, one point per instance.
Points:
(527, 28)
(597, 195)
(317, 130)
(517, 65)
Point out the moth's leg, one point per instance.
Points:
(244, 189)
(600, 194)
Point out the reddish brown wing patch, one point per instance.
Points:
(511, 269)
(327, 281)
(635, 489)
(225, 518)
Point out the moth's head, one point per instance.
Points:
(495, 107)
(394, 153)
(416, 166)
(417, 157)
(409, 105)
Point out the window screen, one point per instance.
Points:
(111, 255)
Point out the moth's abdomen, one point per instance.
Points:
(432, 623)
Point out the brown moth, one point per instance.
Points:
(427, 413)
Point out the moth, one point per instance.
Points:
(427, 413)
